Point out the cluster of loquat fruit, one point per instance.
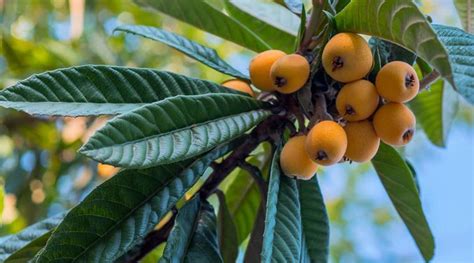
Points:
(367, 112)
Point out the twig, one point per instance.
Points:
(257, 177)
(311, 26)
(262, 132)
(320, 112)
(428, 79)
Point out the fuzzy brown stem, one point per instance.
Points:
(428, 79)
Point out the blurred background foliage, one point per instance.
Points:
(41, 174)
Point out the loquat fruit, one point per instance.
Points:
(347, 57)
(326, 143)
(395, 124)
(239, 85)
(294, 160)
(362, 141)
(260, 67)
(289, 73)
(397, 81)
(357, 100)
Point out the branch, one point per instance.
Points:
(257, 177)
(428, 79)
(263, 132)
(320, 111)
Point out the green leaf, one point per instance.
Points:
(282, 238)
(435, 110)
(174, 129)
(315, 220)
(466, 13)
(226, 231)
(193, 237)
(204, 245)
(182, 232)
(204, 16)
(243, 199)
(29, 251)
(460, 47)
(98, 90)
(398, 181)
(340, 4)
(243, 196)
(203, 54)
(13, 243)
(275, 24)
(398, 21)
(118, 214)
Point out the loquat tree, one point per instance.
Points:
(316, 94)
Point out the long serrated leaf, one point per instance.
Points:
(460, 46)
(203, 246)
(98, 90)
(118, 214)
(282, 238)
(27, 253)
(11, 244)
(435, 110)
(315, 220)
(275, 24)
(204, 16)
(465, 10)
(398, 181)
(174, 129)
(226, 231)
(398, 21)
(203, 54)
(182, 232)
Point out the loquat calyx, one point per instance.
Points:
(295, 162)
(395, 124)
(397, 81)
(357, 100)
(347, 57)
(289, 73)
(260, 67)
(326, 143)
(362, 141)
(239, 85)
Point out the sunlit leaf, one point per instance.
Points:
(275, 24)
(226, 231)
(435, 110)
(204, 16)
(397, 179)
(465, 10)
(398, 21)
(203, 54)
